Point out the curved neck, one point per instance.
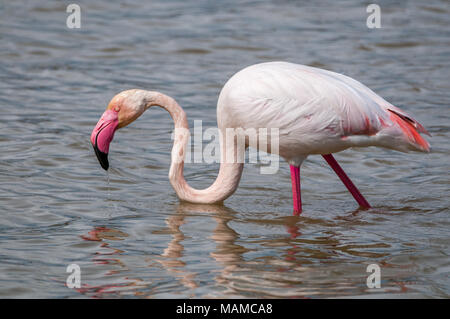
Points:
(229, 173)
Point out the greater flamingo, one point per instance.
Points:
(316, 112)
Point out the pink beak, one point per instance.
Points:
(103, 134)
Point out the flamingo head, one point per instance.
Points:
(123, 109)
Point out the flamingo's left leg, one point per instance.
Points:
(296, 192)
(346, 180)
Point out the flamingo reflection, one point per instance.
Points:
(235, 274)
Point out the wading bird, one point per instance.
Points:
(315, 111)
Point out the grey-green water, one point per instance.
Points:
(131, 236)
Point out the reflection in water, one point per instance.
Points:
(286, 265)
(174, 251)
(108, 255)
(228, 254)
(101, 234)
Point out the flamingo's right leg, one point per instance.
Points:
(296, 192)
(346, 180)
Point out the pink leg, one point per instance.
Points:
(296, 193)
(346, 180)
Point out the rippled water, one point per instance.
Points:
(129, 233)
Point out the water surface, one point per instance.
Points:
(129, 233)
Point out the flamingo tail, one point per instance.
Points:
(411, 129)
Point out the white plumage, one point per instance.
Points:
(316, 111)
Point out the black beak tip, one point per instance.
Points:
(102, 158)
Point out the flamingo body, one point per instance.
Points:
(315, 111)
